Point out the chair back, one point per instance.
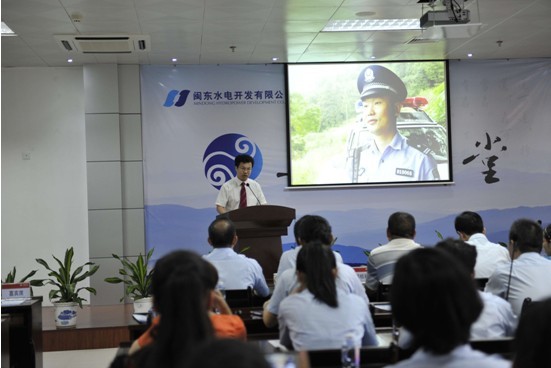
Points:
(239, 298)
(370, 357)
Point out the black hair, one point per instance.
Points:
(221, 232)
(228, 353)
(401, 225)
(527, 235)
(469, 222)
(317, 264)
(296, 228)
(315, 228)
(243, 159)
(180, 295)
(533, 335)
(458, 249)
(547, 233)
(434, 298)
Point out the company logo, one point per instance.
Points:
(172, 95)
(218, 159)
(178, 98)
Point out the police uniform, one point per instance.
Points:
(398, 161)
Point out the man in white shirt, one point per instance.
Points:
(235, 271)
(240, 191)
(470, 228)
(317, 228)
(380, 264)
(528, 275)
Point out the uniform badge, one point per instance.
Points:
(404, 172)
(368, 75)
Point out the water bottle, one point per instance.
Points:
(350, 353)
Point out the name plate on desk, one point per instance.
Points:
(361, 272)
(16, 290)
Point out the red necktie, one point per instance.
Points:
(243, 196)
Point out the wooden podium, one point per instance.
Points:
(260, 228)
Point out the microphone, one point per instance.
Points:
(257, 200)
(280, 174)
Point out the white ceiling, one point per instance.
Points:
(203, 31)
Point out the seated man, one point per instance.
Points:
(235, 270)
(470, 228)
(318, 228)
(400, 233)
(287, 282)
(528, 275)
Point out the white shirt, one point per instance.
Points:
(489, 255)
(381, 261)
(347, 280)
(289, 259)
(461, 357)
(398, 162)
(313, 325)
(230, 194)
(496, 320)
(236, 271)
(530, 278)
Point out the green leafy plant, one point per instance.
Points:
(65, 281)
(10, 277)
(135, 276)
(439, 235)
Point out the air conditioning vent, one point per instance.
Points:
(104, 44)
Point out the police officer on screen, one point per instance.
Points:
(387, 156)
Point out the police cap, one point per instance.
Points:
(376, 80)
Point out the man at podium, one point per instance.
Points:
(240, 191)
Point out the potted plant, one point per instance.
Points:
(65, 295)
(137, 280)
(10, 277)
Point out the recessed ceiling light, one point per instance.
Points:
(7, 31)
(469, 55)
(174, 60)
(374, 57)
(69, 60)
(355, 25)
(275, 59)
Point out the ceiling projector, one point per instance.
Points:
(455, 13)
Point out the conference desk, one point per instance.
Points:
(25, 333)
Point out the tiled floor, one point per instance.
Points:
(93, 358)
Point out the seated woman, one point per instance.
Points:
(434, 297)
(318, 316)
(225, 323)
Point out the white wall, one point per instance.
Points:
(44, 198)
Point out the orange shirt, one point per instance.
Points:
(224, 325)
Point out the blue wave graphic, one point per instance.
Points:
(219, 156)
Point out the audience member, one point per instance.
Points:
(497, 318)
(528, 275)
(181, 297)
(470, 228)
(227, 353)
(224, 322)
(236, 271)
(547, 242)
(533, 337)
(317, 229)
(319, 315)
(400, 233)
(434, 298)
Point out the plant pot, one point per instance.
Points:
(65, 315)
(143, 305)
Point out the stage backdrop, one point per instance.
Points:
(197, 118)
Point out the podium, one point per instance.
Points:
(259, 228)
